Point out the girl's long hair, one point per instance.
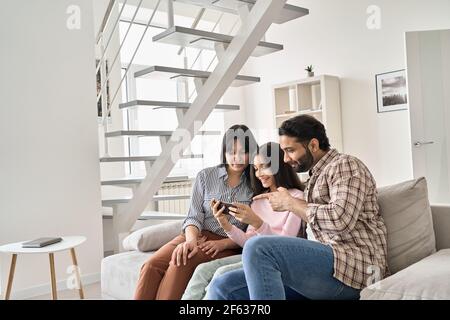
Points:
(285, 175)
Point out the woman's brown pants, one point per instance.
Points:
(161, 281)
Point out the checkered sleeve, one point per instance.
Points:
(347, 190)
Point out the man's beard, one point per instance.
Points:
(305, 163)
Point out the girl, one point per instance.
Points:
(268, 173)
(165, 275)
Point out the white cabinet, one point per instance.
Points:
(317, 96)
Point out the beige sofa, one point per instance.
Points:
(418, 249)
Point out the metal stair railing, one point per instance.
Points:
(135, 51)
(104, 75)
(100, 36)
(212, 89)
(105, 71)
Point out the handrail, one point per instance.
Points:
(132, 58)
(106, 70)
(111, 35)
(105, 21)
(120, 47)
(139, 23)
(107, 75)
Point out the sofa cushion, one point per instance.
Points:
(407, 215)
(120, 273)
(152, 237)
(428, 279)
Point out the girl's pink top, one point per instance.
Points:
(283, 223)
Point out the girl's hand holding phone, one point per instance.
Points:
(245, 214)
(218, 211)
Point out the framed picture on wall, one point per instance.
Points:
(392, 92)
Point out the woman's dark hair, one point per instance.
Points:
(305, 128)
(244, 135)
(285, 176)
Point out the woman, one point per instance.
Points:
(268, 173)
(165, 275)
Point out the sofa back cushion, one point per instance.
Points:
(407, 215)
(428, 279)
(153, 237)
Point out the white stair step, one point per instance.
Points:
(137, 180)
(154, 215)
(145, 158)
(170, 105)
(165, 73)
(288, 13)
(194, 38)
(113, 202)
(152, 133)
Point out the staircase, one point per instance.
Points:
(256, 16)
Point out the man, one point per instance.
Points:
(340, 207)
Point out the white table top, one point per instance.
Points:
(66, 244)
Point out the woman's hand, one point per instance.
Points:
(213, 247)
(220, 216)
(184, 251)
(245, 214)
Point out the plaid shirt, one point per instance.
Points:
(343, 213)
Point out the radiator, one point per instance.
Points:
(175, 188)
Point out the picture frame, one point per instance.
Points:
(391, 89)
(99, 84)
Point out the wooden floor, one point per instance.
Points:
(91, 292)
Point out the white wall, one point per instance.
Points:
(48, 127)
(335, 39)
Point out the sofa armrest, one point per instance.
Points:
(153, 237)
(441, 225)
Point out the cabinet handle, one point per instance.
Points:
(419, 144)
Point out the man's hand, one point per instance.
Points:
(213, 247)
(280, 200)
(283, 201)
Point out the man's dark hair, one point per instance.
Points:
(305, 128)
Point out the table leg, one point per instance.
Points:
(11, 276)
(53, 276)
(77, 273)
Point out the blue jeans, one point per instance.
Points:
(279, 268)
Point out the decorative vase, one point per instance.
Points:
(311, 74)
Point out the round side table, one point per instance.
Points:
(67, 243)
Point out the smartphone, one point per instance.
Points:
(227, 206)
